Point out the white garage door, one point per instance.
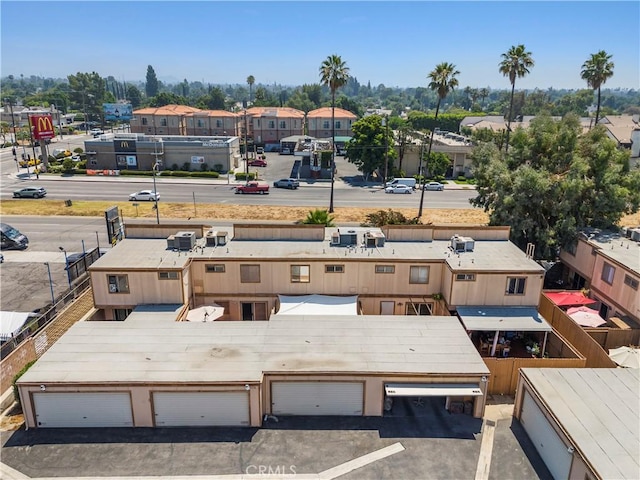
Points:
(190, 409)
(316, 398)
(66, 410)
(549, 445)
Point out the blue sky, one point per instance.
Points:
(382, 42)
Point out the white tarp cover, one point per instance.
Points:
(317, 305)
(432, 390)
(11, 322)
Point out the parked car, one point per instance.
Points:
(257, 162)
(75, 158)
(399, 189)
(33, 192)
(434, 186)
(142, 195)
(96, 132)
(29, 163)
(291, 183)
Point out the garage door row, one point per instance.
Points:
(172, 409)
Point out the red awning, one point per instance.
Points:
(569, 299)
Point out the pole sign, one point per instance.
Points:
(42, 127)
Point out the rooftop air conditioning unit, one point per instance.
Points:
(185, 240)
(171, 241)
(462, 244)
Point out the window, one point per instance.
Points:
(219, 123)
(272, 124)
(300, 274)
(200, 123)
(283, 124)
(465, 277)
(326, 124)
(214, 268)
(515, 285)
(608, 271)
(334, 269)
(168, 275)
(418, 308)
(163, 122)
(419, 275)
(144, 121)
(632, 282)
(249, 273)
(118, 283)
(338, 124)
(121, 314)
(385, 269)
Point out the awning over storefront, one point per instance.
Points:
(432, 390)
(504, 319)
(317, 305)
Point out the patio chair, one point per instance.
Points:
(484, 348)
(505, 351)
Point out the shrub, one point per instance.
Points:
(218, 167)
(174, 166)
(180, 173)
(78, 150)
(16, 395)
(204, 167)
(204, 174)
(186, 166)
(82, 164)
(319, 217)
(68, 164)
(141, 173)
(243, 176)
(389, 217)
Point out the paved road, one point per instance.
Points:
(350, 189)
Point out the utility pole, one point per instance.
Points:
(246, 144)
(385, 123)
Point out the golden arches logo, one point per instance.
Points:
(124, 144)
(45, 124)
(42, 127)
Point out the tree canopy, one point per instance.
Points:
(366, 149)
(553, 182)
(152, 85)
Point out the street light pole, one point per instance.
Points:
(246, 144)
(53, 298)
(385, 123)
(66, 265)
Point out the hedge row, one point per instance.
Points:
(170, 173)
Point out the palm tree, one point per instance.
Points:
(319, 217)
(334, 73)
(515, 63)
(443, 81)
(250, 82)
(596, 71)
(484, 93)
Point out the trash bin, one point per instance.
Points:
(468, 407)
(67, 203)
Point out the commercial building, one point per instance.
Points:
(583, 422)
(131, 151)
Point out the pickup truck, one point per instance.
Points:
(253, 187)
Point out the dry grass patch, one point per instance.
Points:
(183, 211)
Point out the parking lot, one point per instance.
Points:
(432, 445)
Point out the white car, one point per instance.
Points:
(434, 186)
(96, 132)
(142, 195)
(398, 189)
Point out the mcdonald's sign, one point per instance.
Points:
(42, 127)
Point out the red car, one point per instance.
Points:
(257, 162)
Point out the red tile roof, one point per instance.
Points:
(325, 112)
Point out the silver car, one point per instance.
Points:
(399, 188)
(434, 186)
(291, 183)
(33, 192)
(144, 195)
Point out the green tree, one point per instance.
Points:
(152, 86)
(443, 81)
(568, 182)
(366, 147)
(301, 101)
(319, 217)
(387, 217)
(596, 71)
(334, 73)
(515, 64)
(438, 163)
(250, 81)
(88, 92)
(134, 96)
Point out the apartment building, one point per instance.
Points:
(319, 122)
(608, 265)
(166, 120)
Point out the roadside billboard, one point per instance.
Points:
(42, 126)
(114, 112)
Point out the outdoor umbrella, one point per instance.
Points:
(585, 316)
(207, 313)
(569, 298)
(626, 356)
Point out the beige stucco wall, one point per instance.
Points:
(275, 276)
(144, 288)
(582, 262)
(489, 289)
(620, 297)
(141, 398)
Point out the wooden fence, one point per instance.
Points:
(575, 334)
(614, 337)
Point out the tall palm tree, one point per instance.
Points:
(250, 82)
(443, 81)
(484, 93)
(515, 63)
(596, 71)
(334, 73)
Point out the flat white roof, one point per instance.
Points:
(229, 352)
(598, 409)
(509, 319)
